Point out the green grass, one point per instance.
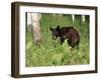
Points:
(51, 52)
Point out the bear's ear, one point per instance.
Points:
(51, 28)
(58, 27)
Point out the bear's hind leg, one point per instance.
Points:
(71, 43)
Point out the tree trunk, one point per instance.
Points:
(29, 23)
(35, 19)
(83, 18)
(73, 17)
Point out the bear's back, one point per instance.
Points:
(69, 30)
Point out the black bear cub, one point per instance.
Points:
(69, 33)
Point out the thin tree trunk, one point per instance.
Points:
(73, 17)
(83, 18)
(29, 23)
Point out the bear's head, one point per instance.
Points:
(55, 32)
